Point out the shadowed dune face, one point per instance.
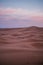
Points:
(38, 45)
(23, 44)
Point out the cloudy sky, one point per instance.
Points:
(21, 13)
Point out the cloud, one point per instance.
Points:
(19, 11)
(19, 14)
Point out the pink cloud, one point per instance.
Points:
(37, 18)
(7, 11)
(20, 14)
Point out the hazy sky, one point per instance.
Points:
(21, 13)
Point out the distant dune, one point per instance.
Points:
(21, 46)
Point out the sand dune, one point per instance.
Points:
(21, 46)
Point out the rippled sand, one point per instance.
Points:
(21, 46)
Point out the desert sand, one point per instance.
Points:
(21, 46)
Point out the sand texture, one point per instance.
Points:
(21, 46)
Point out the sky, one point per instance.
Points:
(21, 13)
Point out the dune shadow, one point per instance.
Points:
(37, 45)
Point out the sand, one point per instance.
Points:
(21, 46)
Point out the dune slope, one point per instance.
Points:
(21, 46)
